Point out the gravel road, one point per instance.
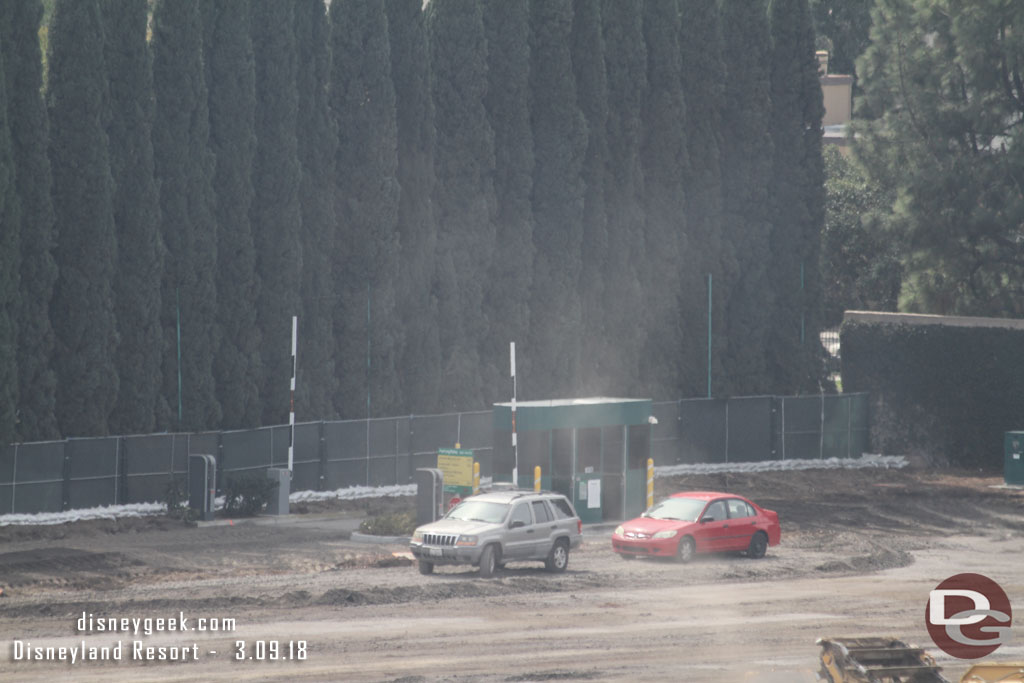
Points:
(860, 551)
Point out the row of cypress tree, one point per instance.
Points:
(593, 179)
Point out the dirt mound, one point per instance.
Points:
(67, 567)
(87, 527)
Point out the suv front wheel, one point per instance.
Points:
(488, 561)
(558, 558)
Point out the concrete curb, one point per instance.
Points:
(380, 540)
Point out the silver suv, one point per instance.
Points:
(490, 529)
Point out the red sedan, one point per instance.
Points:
(692, 522)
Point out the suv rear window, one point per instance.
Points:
(540, 512)
(562, 508)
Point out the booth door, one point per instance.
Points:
(587, 497)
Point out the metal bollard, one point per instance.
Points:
(650, 482)
(536, 478)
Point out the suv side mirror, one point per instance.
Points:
(516, 524)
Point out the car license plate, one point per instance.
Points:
(434, 552)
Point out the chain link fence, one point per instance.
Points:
(83, 473)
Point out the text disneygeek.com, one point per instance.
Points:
(139, 650)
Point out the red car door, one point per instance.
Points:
(741, 525)
(712, 528)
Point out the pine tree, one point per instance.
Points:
(559, 143)
(939, 124)
(797, 200)
(860, 267)
(230, 72)
(30, 133)
(587, 47)
(317, 145)
(275, 213)
(9, 264)
(417, 305)
(184, 169)
(703, 77)
(464, 198)
(746, 160)
(136, 216)
(671, 279)
(82, 309)
(367, 208)
(507, 298)
(626, 64)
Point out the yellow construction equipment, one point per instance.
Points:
(995, 672)
(876, 660)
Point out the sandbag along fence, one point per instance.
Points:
(81, 473)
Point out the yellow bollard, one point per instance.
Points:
(476, 478)
(536, 478)
(650, 482)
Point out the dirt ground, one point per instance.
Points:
(860, 551)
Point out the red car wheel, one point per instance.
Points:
(686, 550)
(758, 545)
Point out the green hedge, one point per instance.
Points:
(946, 392)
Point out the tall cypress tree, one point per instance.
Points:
(703, 77)
(9, 265)
(317, 145)
(626, 64)
(797, 199)
(184, 169)
(230, 73)
(367, 208)
(30, 132)
(587, 42)
(746, 169)
(464, 200)
(417, 230)
(671, 280)
(275, 213)
(136, 216)
(559, 143)
(507, 28)
(82, 309)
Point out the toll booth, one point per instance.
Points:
(593, 450)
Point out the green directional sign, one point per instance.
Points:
(457, 466)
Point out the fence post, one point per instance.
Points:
(679, 431)
(412, 449)
(322, 457)
(727, 430)
(66, 474)
(849, 424)
(121, 495)
(783, 430)
(14, 479)
(821, 439)
(221, 465)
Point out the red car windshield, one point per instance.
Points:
(681, 509)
